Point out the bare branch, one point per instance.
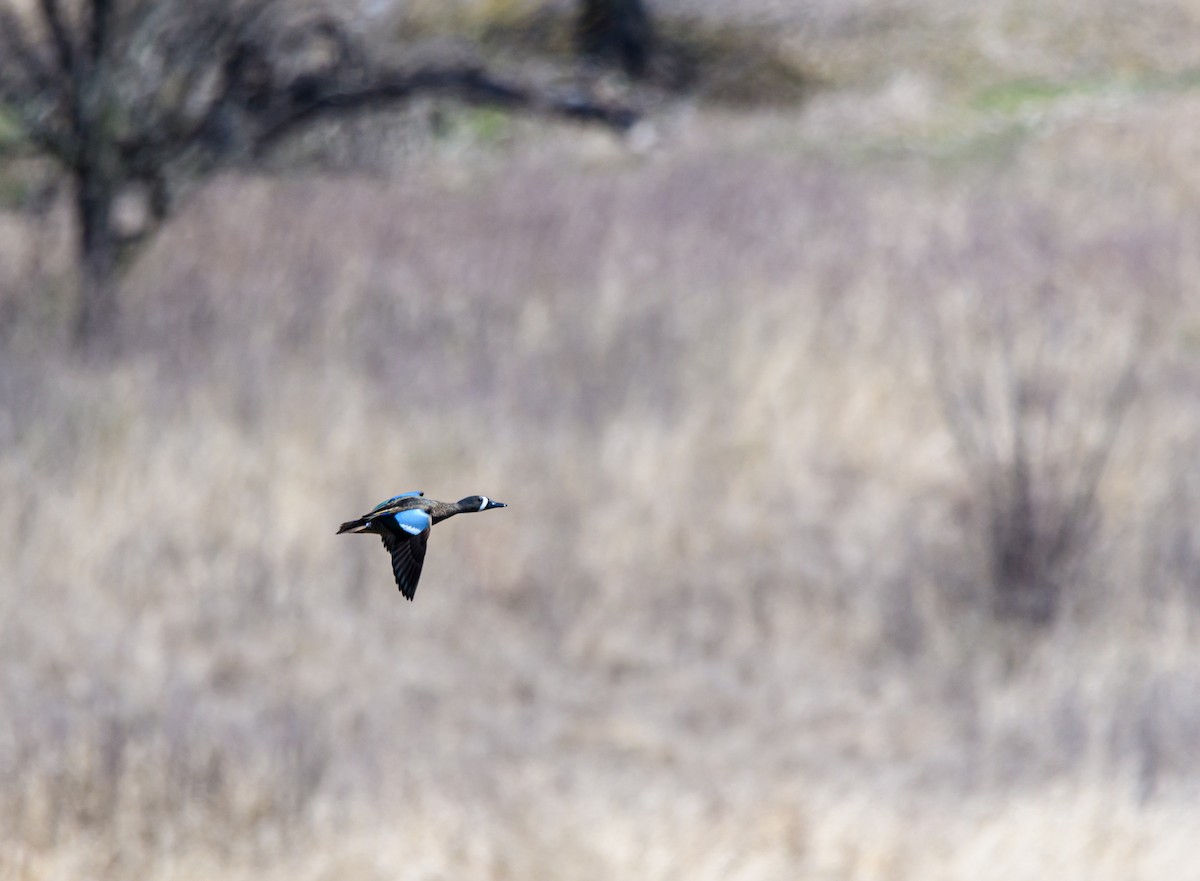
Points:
(466, 83)
(210, 62)
(15, 41)
(1082, 498)
(30, 88)
(102, 14)
(55, 22)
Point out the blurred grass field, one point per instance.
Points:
(736, 623)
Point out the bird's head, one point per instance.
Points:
(479, 503)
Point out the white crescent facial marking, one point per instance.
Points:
(484, 503)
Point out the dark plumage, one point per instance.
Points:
(404, 521)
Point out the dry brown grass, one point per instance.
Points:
(735, 623)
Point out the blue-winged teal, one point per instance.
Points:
(403, 522)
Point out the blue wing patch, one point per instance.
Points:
(414, 521)
(411, 495)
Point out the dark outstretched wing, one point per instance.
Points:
(408, 556)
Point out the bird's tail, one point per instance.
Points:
(359, 525)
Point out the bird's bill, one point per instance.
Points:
(491, 504)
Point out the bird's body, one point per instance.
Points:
(403, 522)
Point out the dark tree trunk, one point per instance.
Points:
(97, 256)
(616, 32)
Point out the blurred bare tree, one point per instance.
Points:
(616, 32)
(131, 98)
(1036, 438)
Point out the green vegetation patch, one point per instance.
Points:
(486, 124)
(1021, 94)
(11, 134)
(13, 189)
(1029, 93)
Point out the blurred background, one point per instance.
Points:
(839, 362)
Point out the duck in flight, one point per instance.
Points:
(404, 521)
